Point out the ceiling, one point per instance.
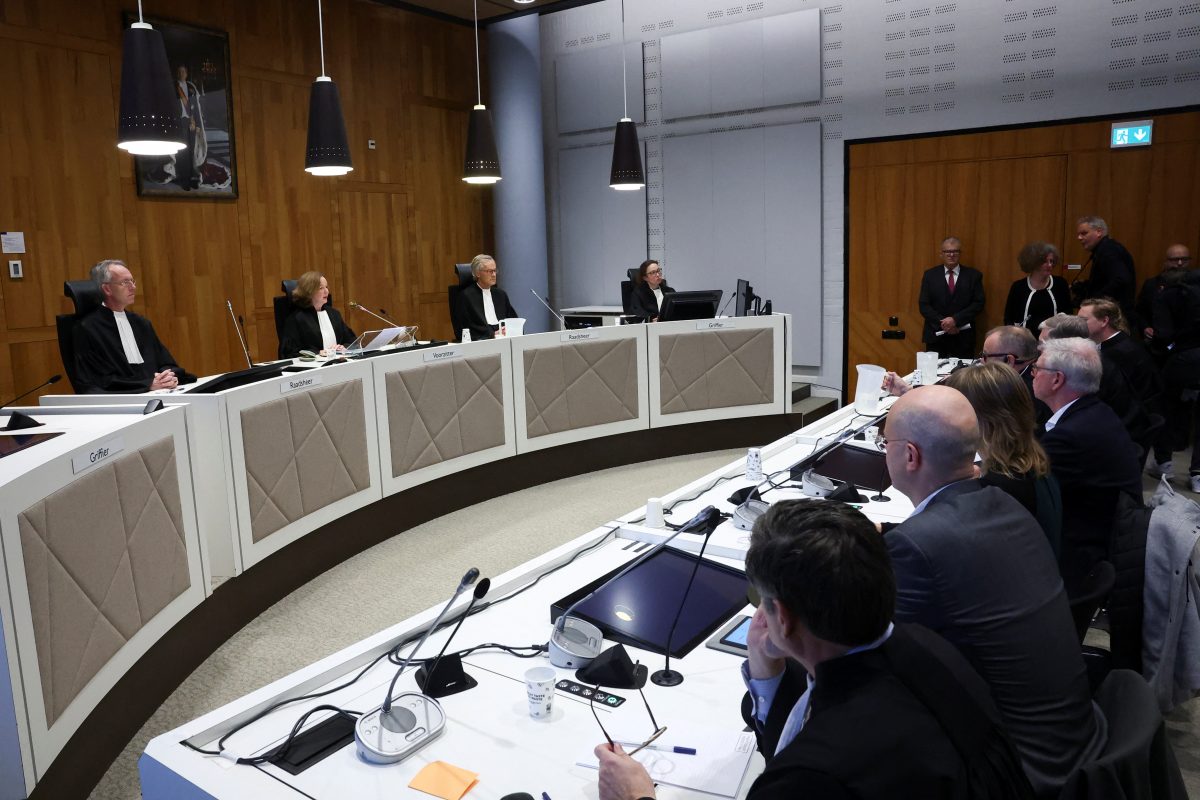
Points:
(489, 10)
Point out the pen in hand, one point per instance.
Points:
(678, 749)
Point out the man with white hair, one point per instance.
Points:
(1113, 273)
(1091, 455)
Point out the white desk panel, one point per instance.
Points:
(25, 479)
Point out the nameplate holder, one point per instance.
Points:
(300, 382)
(98, 454)
(1074, 266)
(715, 325)
(579, 336)
(442, 354)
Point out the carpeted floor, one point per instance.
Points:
(412, 571)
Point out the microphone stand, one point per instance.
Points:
(436, 685)
(667, 676)
(880, 497)
(241, 339)
(549, 308)
(53, 379)
(390, 323)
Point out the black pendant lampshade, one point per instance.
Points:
(482, 164)
(627, 158)
(328, 151)
(149, 117)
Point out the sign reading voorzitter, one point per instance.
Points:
(1131, 134)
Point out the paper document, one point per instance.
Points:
(718, 767)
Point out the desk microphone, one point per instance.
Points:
(451, 679)
(667, 676)
(549, 307)
(53, 379)
(393, 732)
(727, 302)
(390, 323)
(241, 338)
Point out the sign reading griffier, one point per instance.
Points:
(102, 451)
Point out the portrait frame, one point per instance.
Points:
(207, 168)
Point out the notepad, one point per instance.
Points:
(718, 767)
(444, 780)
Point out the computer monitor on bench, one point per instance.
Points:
(690, 305)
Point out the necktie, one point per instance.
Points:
(950, 280)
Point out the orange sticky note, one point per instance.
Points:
(444, 780)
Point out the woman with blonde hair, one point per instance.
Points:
(314, 324)
(1012, 459)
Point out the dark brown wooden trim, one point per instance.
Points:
(148, 683)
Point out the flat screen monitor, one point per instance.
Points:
(16, 442)
(863, 467)
(690, 305)
(744, 297)
(232, 380)
(638, 607)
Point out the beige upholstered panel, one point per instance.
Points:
(303, 452)
(444, 410)
(578, 385)
(103, 556)
(716, 369)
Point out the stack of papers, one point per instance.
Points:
(718, 766)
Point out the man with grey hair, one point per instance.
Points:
(1113, 274)
(951, 298)
(972, 564)
(482, 305)
(117, 350)
(1091, 454)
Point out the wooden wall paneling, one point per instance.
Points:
(33, 362)
(282, 36)
(60, 184)
(375, 254)
(91, 20)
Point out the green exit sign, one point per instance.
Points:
(1131, 134)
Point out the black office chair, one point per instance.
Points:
(1090, 594)
(463, 273)
(1137, 763)
(86, 298)
(282, 306)
(627, 289)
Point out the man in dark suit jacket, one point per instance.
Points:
(1113, 274)
(1104, 322)
(972, 564)
(889, 710)
(950, 300)
(481, 305)
(1091, 455)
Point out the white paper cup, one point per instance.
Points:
(539, 687)
(654, 513)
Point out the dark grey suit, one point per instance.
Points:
(975, 567)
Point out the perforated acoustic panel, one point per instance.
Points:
(444, 410)
(716, 369)
(102, 557)
(578, 385)
(303, 452)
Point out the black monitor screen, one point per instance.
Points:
(690, 305)
(242, 377)
(743, 297)
(16, 442)
(857, 465)
(638, 608)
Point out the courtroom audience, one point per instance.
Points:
(972, 564)
(1178, 257)
(313, 324)
(1112, 270)
(1040, 294)
(649, 287)
(1107, 328)
(1091, 455)
(117, 350)
(483, 304)
(843, 702)
(950, 299)
(1012, 459)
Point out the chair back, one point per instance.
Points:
(1090, 594)
(462, 273)
(86, 297)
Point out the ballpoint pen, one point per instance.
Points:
(680, 750)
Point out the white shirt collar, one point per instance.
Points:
(921, 505)
(1057, 415)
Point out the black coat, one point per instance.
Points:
(100, 362)
(1137, 367)
(302, 331)
(907, 719)
(643, 303)
(1043, 304)
(936, 302)
(1113, 275)
(470, 310)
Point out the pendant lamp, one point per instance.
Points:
(328, 151)
(482, 164)
(149, 116)
(626, 174)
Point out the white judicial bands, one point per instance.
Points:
(102, 452)
(292, 384)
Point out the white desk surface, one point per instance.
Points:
(79, 430)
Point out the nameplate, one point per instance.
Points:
(442, 355)
(715, 324)
(102, 452)
(579, 336)
(300, 382)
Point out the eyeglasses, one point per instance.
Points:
(654, 272)
(128, 283)
(658, 730)
(984, 356)
(1034, 369)
(1180, 259)
(489, 271)
(882, 442)
(951, 252)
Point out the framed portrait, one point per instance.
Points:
(207, 167)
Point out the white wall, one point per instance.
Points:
(893, 67)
